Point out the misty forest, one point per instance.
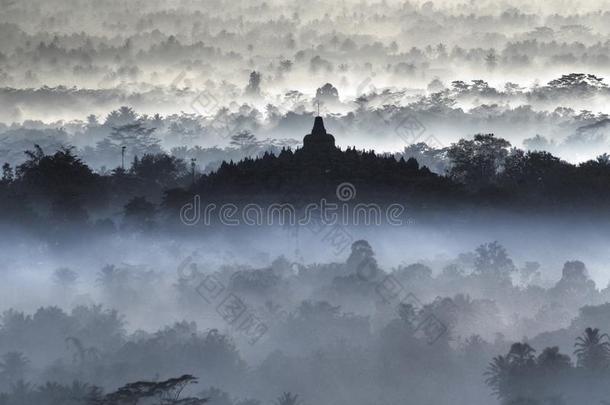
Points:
(265, 202)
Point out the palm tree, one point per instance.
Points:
(497, 375)
(593, 349)
(287, 398)
(505, 374)
(521, 355)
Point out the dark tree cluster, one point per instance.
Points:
(298, 173)
(349, 319)
(484, 171)
(520, 377)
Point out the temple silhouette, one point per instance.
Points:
(319, 140)
(315, 170)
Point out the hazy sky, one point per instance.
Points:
(64, 60)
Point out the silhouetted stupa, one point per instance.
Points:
(319, 140)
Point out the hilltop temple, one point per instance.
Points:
(315, 170)
(319, 140)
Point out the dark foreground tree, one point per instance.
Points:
(478, 162)
(287, 398)
(551, 378)
(593, 350)
(153, 392)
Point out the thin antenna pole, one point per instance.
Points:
(193, 168)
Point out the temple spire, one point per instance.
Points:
(319, 140)
(318, 127)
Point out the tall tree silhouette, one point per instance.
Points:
(593, 350)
